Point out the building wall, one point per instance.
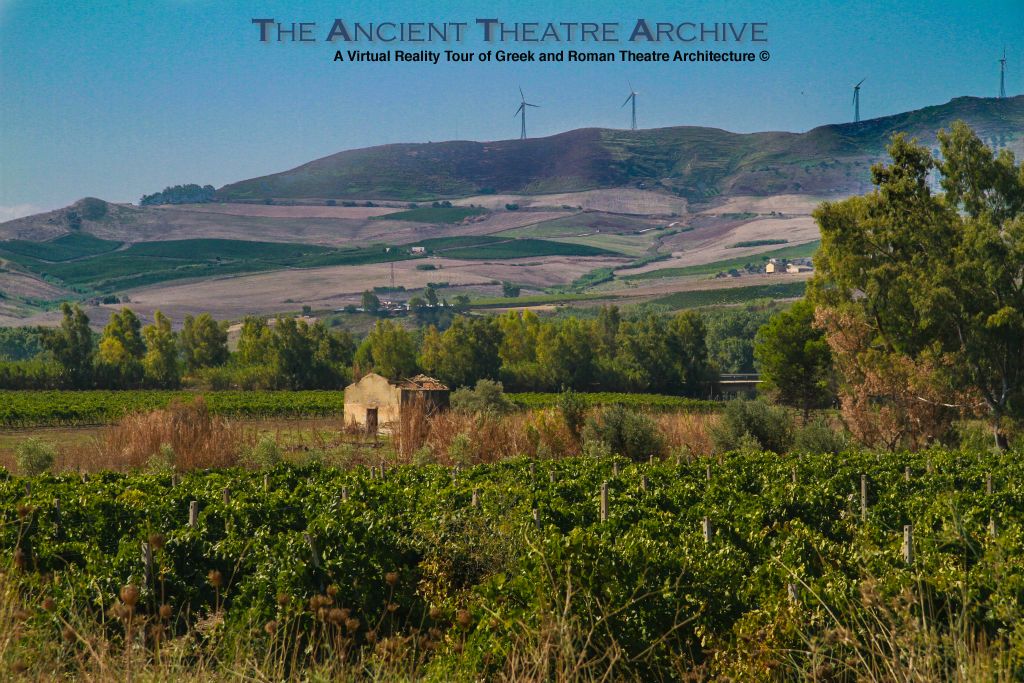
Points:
(372, 391)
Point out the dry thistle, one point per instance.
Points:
(19, 558)
(157, 541)
(391, 578)
(68, 634)
(435, 612)
(165, 611)
(49, 604)
(215, 578)
(332, 590)
(130, 595)
(270, 627)
(283, 599)
(463, 618)
(335, 616)
(352, 625)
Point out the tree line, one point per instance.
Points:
(643, 351)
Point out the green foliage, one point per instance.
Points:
(64, 248)
(819, 437)
(92, 209)
(163, 461)
(510, 290)
(33, 457)
(464, 353)
(795, 360)
(434, 214)
(265, 454)
(161, 360)
(769, 426)
(626, 432)
(72, 346)
(42, 408)
(730, 335)
(204, 342)
(370, 302)
(486, 398)
(180, 194)
(573, 408)
(388, 350)
(756, 243)
(120, 352)
(795, 251)
(732, 295)
(21, 343)
(491, 247)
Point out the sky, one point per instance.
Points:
(116, 99)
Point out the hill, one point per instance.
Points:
(689, 161)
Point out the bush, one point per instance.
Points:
(818, 437)
(460, 450)
(163, 461)
(264, 455)
(625, 432)
(769, 425)
(488, 397)
(34, 457)
(574, 410)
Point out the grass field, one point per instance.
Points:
(434, 214)
(734, 295)
(757, 243)
(148, 263)
(65, 248)
(796, 251)
(491, 247)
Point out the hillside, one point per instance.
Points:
(691, 162)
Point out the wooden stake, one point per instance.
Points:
(147, 561)
(992, 527)
(193, 512)
(56, 513)
(908, 544)
(988, 483)
(615, 468)
(792, 473)
(344, 493)
(644, 482)
(706, 528)
(475, 502)
(266, 482)
(312, 550)
(708, 473)
(793, 592)
(604, 501)
(536, 518)
(906, 473)
(226, 495)
(863, 497)
(533, 471)
(551, 476)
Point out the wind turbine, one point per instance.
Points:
(523, 104)
(856, 101)
(631, 98)
(1002, 75)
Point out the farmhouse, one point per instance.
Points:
(375, 401)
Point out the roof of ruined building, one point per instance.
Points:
(422, 382)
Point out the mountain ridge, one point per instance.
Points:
(691, 161)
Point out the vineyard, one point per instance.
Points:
(751, 566)
(20, 409)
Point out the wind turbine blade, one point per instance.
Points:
(521, 95)
(531, 105)
(517, 111)
(627, 100)
(861, 81)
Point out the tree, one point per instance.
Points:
(204, 342)
(430, 295)
(465, 353)
(388, 350)
(72, 346)
(936, 279)
(794, 359)
(161, 360)
(371, 304)
(510, 290)
(292, 354)
(121, 348)
(254, 341)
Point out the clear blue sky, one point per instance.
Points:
(114, 99)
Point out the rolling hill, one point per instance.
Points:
(691, 162)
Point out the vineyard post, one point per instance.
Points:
(551, 476)
(56, 513)
(175, 479)
(792, 592)
(536, 518)
(226, 495)
(708, 473)
(193, 512)
(312, 549)
(908, 543)
(650, 460)
(147, 562)
(644, 482)
(929, 466)
(615, 468)
(988, 483)
(705, 526)
(604, 501)
(906, 473)
(344, 493)
(863, 497)
(992, 527)
(475, 501)
(792, 473)
(266, 482)
(28, 488)
(533, 471)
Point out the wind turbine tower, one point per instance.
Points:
(856, 101)
(1002, 75)
(521, 112)
(631, 98)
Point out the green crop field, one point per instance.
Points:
(490, 247)
(732, 295)
(747, 563)
(64, 248)
(757, 243)
(148, 263)
(795, 251)
(45, 408)
(433, 214)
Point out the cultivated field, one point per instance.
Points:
(275, 211)
(622, 200)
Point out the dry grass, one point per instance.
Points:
(199, 440)
(689, 433)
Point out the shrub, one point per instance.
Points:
(769, 425)
(264, 455)
(34, 457)
(574, 410)
(460, 450)
(625, 432)
(163, 461)
(818, 437)
(487, 397)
